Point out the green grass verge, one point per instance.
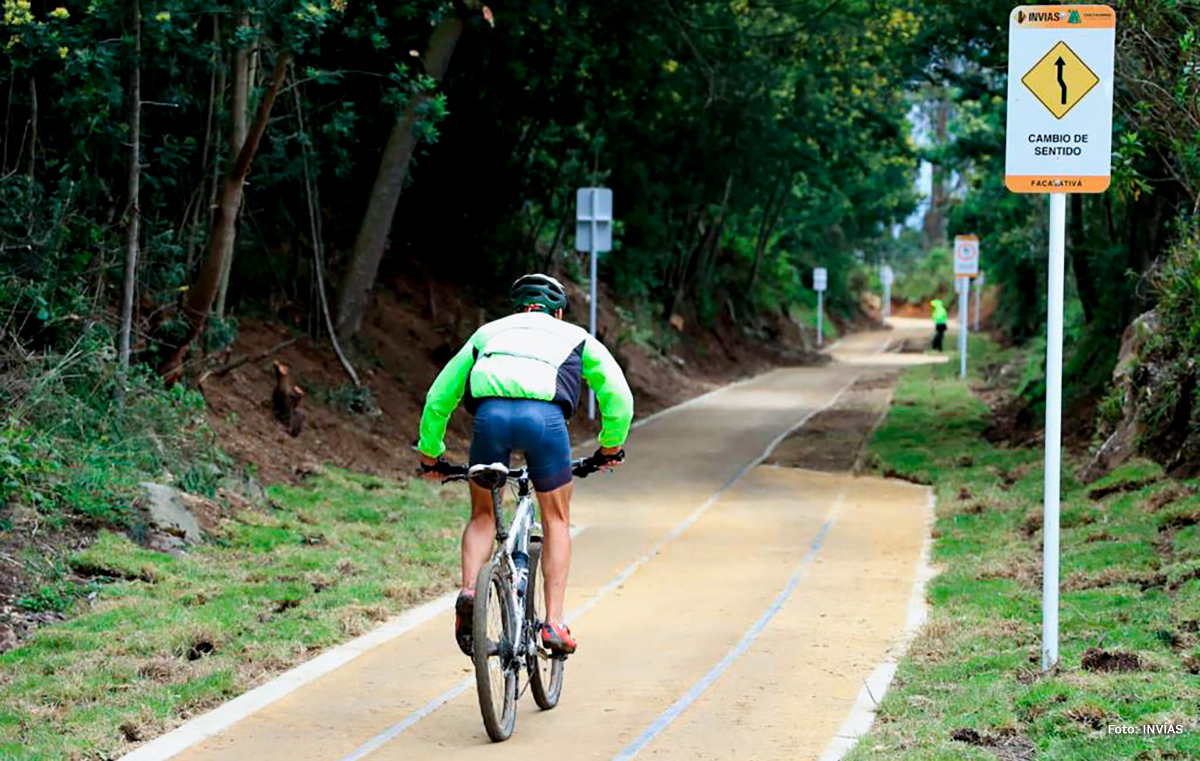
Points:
(1131, 584)
(167, 637)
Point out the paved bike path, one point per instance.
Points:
(667, 581)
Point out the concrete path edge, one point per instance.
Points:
(866, 705)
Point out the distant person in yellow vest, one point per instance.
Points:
(939, 323)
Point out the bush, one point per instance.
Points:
(926, 279)
(78, 433)
(1170, 363)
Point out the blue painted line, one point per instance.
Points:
(668, 716)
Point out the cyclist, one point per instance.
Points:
(522, 377)
(939, 323)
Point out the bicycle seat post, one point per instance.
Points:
(497, 497)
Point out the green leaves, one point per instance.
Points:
(1127, 180)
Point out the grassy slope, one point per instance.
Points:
(179, 635)
(1130, 582)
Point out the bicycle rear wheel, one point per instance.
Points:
(495, 634)
(545, 672)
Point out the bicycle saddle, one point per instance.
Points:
(491, 476)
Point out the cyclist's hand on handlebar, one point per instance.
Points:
(609, 457)
(605, 458)
(432, 469)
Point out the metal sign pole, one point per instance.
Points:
(1054, 342)
(887, 299)
(820, 318)
(964, 294)
(592, 305)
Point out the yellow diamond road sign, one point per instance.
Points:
(1060, 80)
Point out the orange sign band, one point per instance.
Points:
(1052, 184)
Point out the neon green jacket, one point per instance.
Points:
(939, 312)
(529, 355)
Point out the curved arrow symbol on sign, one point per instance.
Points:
(1059, 64)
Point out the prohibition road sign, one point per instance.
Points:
(966, 256)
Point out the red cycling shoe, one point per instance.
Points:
(557, 639)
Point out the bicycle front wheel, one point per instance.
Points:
(495, 635)
(545, 671)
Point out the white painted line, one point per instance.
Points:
(227, 714)
(667, 717)
(697, 399)
(588, 443)
(696, 514)
(224, 716)
(389, 734)
(866, 705)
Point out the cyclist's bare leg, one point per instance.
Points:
(478, 535)
(556, 547)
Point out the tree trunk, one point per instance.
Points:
(33, 127)
(709, 253)
(224, 228)
(202, 196)
(770, 217)
(7, 120)
(936, 218)
(677, 272)
(314, 226)
(369, 245)
(135, 172)
(215, 186)
(242, 60)
(563, 219)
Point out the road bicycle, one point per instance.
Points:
(508, 606)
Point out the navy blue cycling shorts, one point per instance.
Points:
(537, 428)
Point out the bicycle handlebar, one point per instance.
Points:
(581, 468)
(586, 466)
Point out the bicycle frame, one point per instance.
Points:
(509, 541)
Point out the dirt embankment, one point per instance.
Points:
(411, 331)
(922, 310)
(836, 438)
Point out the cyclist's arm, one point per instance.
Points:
(443, 397)
(604, 375)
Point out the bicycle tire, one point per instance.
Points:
(545, 673)
(495, 677)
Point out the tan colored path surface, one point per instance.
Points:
(704, 573)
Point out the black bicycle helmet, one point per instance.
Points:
(538, 290)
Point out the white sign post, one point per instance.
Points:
(820, 283)
(966, 266)
(963, 289)
(593, 233)
(886, 276)
(1059, 141)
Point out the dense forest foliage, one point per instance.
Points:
(169, 166)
